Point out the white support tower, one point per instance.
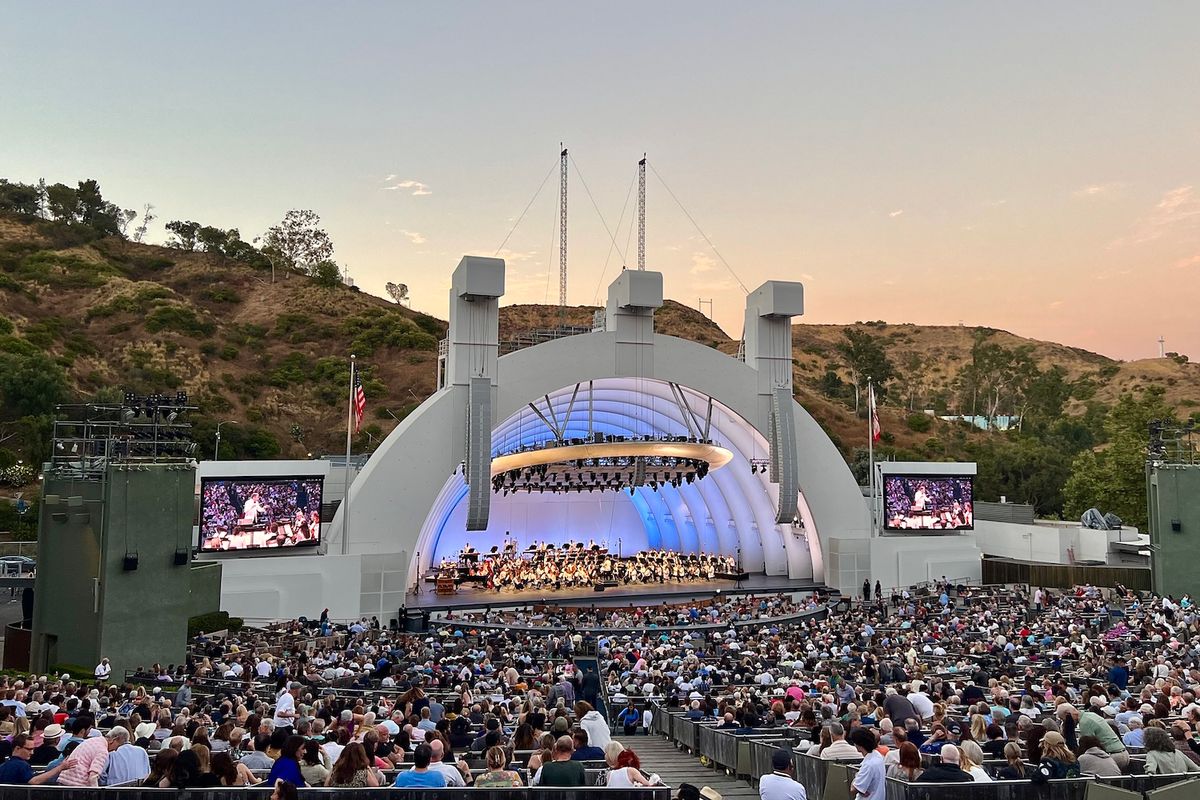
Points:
(642, 213)
(562, 235)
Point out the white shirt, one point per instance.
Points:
(871, 777)
(102, 671)
(780, 787)
(921, 703)
(453, 776)
(285, 710)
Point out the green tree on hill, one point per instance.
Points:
(865, 357)
(1113, 477)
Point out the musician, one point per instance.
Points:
(920, 498)
(251, 509)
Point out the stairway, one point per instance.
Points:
(659, 756)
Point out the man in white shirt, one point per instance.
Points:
(285, 707)
(453, 776)
(103, 670)
(839, 748)
(780, 785)
(870, 781)
(920, 701)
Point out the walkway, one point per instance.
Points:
(674, 766)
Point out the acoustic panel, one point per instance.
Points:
(784, 468)
(479, 453)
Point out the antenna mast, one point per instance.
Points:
(642, 212)
(562, 236)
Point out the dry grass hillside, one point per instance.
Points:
(114, 314)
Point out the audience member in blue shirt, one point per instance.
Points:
(421, 775)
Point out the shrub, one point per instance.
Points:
(65, 271)
(221, 294)
(212, 622)
(919, 423)
(138, 301)
(180, 319)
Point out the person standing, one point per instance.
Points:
(866, 590)
(871, 778)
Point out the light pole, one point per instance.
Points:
(217, 449)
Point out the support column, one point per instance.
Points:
(768, 348)
(471, 372)
(632, 300)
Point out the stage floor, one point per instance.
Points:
(633, 594)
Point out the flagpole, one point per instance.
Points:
(871, 448)
(349, 431)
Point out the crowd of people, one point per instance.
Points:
(554, 569)
(947, 684)
(943, 503)
(718, 610)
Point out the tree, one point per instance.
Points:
(96, 212)
(62, 202)
(19, 198)
(1024, 469)
(185, 234)
(327, 274)
(914, 368)
(398, 292)
(1113, 478)
(299, 241)
(30, 385)
(139, 232)
(864, 356)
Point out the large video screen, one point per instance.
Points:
(239, 514)
(928, 503)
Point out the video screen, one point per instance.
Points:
(928, 503)
(238, 514)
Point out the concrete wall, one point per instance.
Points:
(205, 585)
(270, 587)
(1047, 542)
(907, 560)
(1174, 495)
(66, 617)
(87, 605)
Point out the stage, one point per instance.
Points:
(640, 594)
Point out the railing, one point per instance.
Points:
(388, 793)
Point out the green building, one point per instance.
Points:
(115, 577)
(1173, 493)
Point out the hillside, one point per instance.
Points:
(113, 315)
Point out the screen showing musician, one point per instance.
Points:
(927, 502)
(239, 514)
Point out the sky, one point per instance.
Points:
(1027, 166)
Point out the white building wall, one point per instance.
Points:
(910, 559)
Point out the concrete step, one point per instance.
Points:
(674, 766)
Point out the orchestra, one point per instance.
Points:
(574, 565)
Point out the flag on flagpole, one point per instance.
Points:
(876, 429)
(359, 401)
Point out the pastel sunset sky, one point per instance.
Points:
(1027, 166)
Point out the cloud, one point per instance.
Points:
(513, 256)
(1184, 263)
(804, 276)
(1098, 190)
(1178, 210)
(898, 212)
(702, 263)
(414, 237)
(393, 184)
(1056, 304)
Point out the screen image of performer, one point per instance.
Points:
(248, 514)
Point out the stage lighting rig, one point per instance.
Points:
(141, 429)
(606, 463)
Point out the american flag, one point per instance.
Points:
(359, 400)
(876, 428)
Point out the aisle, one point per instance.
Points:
(675, 767)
